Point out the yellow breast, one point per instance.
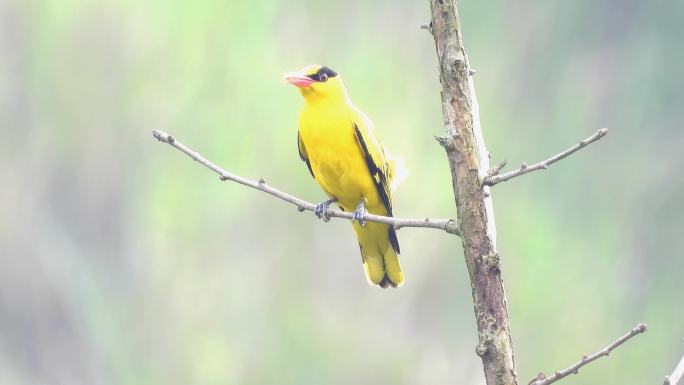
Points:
(336, 159)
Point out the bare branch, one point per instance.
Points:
(466, 151)
(494, 178)
(541, 379)
(674, 378)
(448, 225)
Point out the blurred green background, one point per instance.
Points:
(123, 262)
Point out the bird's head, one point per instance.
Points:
(317, 83)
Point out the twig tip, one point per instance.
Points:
(158, 135)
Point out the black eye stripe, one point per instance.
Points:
(323, 71)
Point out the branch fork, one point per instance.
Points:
(495, 177)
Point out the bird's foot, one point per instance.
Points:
(321, 209)
(359, 214)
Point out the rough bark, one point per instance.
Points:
(469, 162)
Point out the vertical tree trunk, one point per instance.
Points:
(469, 162)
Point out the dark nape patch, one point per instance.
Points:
(323, 74)
(327, 71)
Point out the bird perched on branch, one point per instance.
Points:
(339, 145)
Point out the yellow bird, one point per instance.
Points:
(339, 145)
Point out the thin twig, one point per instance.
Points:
(674, 378)
(448, 225)
(497, 169)
(427, 27)
(493, 179)
(574, 369)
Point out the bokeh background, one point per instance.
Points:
(123, 262)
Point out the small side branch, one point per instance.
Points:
(673, 379)
(541, 379)
(494, 177)
(448, 225)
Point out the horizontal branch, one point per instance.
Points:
(541, 379)
(673, 379)
(448, 225)
(494, 177)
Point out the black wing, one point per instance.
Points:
(303, 155)
(379, 171)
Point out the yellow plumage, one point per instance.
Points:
(343, 153)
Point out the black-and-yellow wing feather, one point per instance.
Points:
(380, 170)
(303, 155)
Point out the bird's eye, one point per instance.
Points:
(322, 77)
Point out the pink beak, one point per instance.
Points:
(298, 79)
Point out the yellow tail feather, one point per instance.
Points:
(393, 268)
(380, 261)
(374, 267)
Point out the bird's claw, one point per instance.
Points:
(359, 214)
(321, 210)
